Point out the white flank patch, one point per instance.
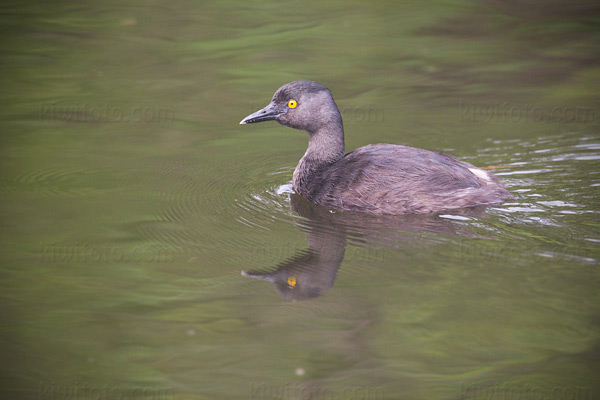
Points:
(455, 217)
(480, 173)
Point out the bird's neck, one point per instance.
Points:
(325, 147)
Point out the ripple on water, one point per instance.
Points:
(67, 182)
(198, 197)
(201, 197)
(271, 205)
(550, 178)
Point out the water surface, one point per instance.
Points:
(132, 201)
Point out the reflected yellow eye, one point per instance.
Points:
(292, 103)
(291, 281)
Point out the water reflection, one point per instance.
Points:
(311, 272)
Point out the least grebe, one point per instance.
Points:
(378, 178)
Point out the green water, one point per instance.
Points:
(132, 200)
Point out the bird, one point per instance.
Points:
(378, 179)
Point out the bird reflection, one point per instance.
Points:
(311, 272)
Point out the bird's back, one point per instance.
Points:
(395, 179)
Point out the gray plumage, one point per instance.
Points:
(376, 179)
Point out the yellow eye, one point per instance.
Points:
(292, 103)
(291, 281)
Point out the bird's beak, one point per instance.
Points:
(258, 275)
(268, 113)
